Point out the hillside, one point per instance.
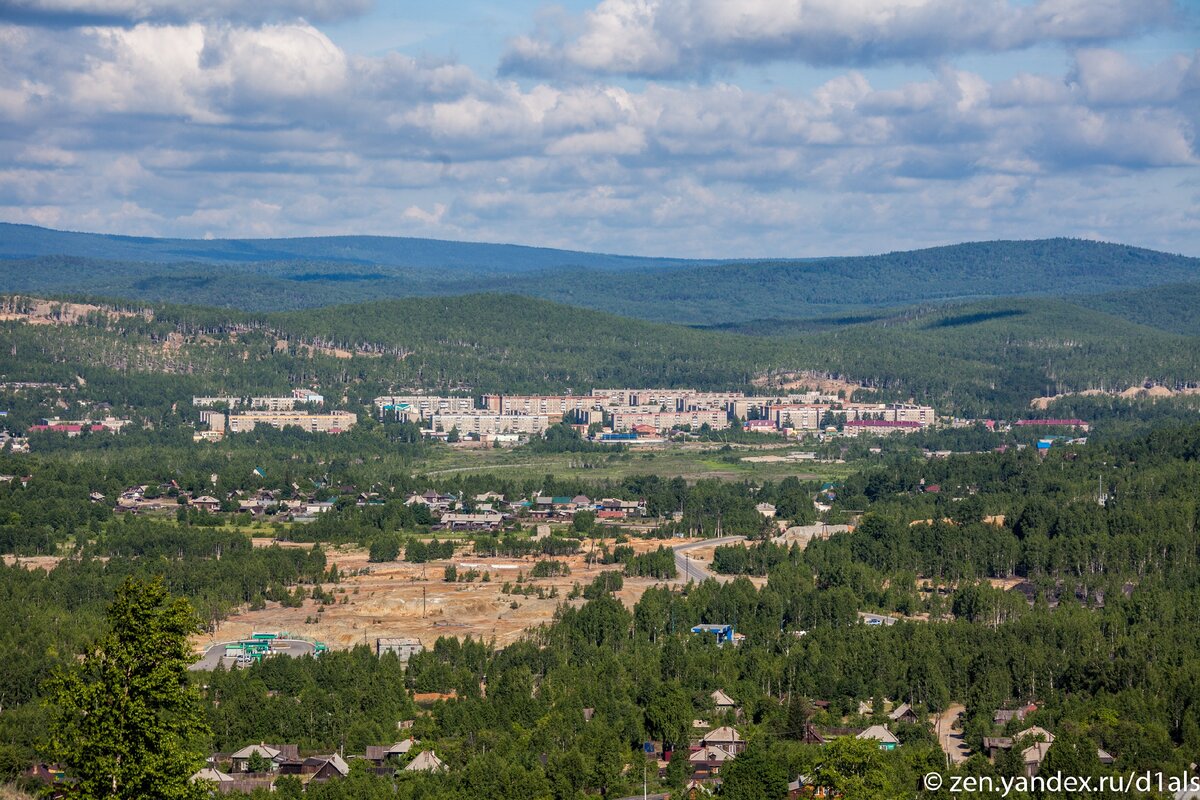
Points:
(987, 358)
(29, 241)
(283, 274)
(819, 287)
(1175, 307)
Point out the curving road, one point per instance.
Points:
(690, 570)
(288, 647)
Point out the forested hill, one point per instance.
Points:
(282, 274)
(983, 358)
(801, 289)
(29, 241)
(1175, 307)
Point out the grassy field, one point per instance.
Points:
(692, 462)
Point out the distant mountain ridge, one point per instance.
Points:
(285, 274)
(30, 241)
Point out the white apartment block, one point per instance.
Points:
(667, 420)
(798, 416)
(414, 407)
(808, 417)
(485, 422)
(671, 399)
(890, 412)
(743, 406)
(333, 422)
(286, 403)
(209, 402)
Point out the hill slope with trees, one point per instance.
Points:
(282, 274)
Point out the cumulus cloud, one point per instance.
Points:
(69, 13)
(216, 128)
(673, 38)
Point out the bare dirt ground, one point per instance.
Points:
(399, 599)
(32, 562)
(950, 740)
(1133, 392)
(797, 381)
(46, 312)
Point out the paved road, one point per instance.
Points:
(288, 647)
(691, 570)
(950, 739)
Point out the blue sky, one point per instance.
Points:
(662, 127)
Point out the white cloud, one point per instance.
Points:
(672, 38)
(270, 129)
(74, 12)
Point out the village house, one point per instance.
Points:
(472, 521)
(725, 738)
(1004, 716)
(325, 768)
(206, 503)
(274, 754)
(723, 702)
(879, 733)
(426, 761)
(904, 713)
(708, 760)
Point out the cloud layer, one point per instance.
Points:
(66, 13)
(269, 128)
(673, 38)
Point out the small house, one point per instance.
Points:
(426, 761)
(726, 738)
(903, 713)
(887, 740)
(722, 701)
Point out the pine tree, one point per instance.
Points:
(124, 720)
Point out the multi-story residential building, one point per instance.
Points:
(285, 403)
(856, 427)
(671, 399)
(332, 422)
(209, 402)
(416, 407)
(890, 412)
(748, 407)
(669, 420)
(550, 405)
(798, 416)
(484, 422)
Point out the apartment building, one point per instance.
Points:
(663, 421)
(416, 407)
(549, 405)
(798, 416)
(333, 422)
(890, 412)
(285, 403)
(485, 423)
(671, 399)
(745, 407)
(209, 402)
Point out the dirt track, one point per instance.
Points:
(950, 740)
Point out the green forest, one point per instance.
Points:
(981, 359)
(1097, 631)
(268, 275)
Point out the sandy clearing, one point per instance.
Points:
(399, 599)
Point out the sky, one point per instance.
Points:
(687, 128)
